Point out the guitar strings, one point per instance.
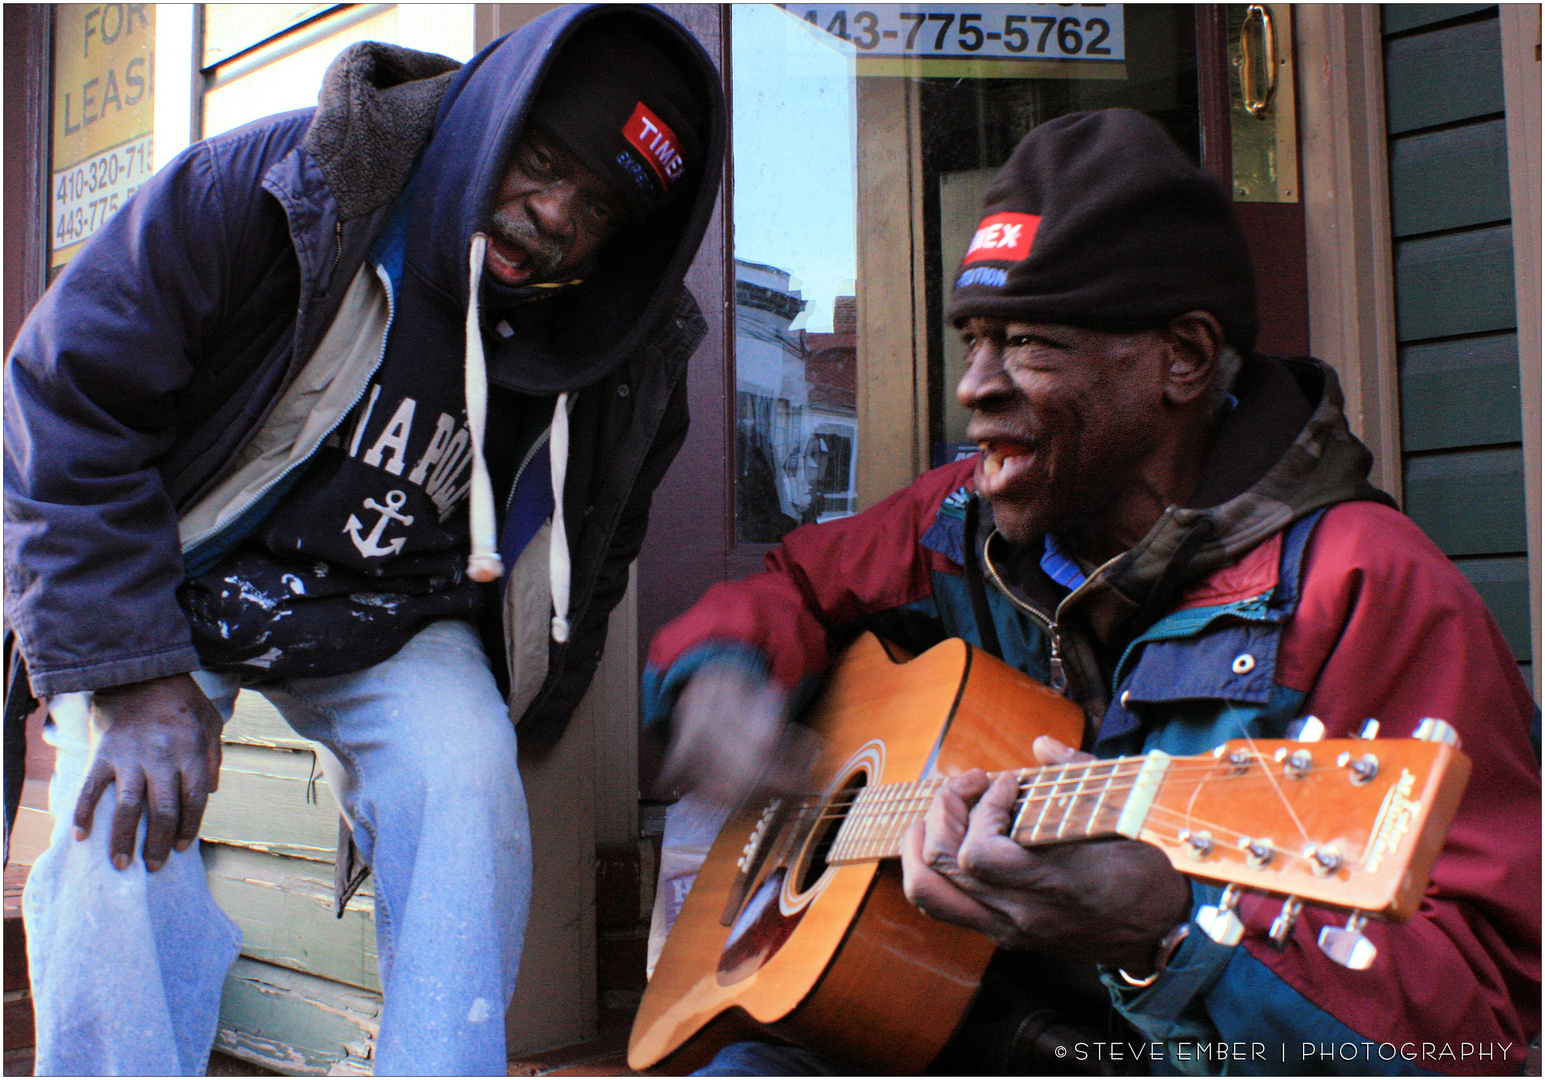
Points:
(1033, 787)
(879, 824)
(883, 843)
(887, 834)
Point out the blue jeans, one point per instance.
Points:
(127, 967)
(767, 1059)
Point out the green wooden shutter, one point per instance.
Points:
(1456, 320)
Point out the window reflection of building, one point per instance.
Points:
(795, 406)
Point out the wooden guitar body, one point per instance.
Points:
(833, 957)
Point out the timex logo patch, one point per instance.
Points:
(1003, 238)
(653, 138)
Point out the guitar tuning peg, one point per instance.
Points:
(1369, 730)
(1432, 729)
(1220, 921)
(1282, 925)
(1347, 945)
(1306, 729)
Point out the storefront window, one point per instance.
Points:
(230, 29)
(864, 138)
(257, 66)
(795, 264)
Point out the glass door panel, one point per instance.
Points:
(795, 266)
(864, 137)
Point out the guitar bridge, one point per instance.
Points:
(751, 858)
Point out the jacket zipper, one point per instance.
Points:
(509, 500)
(391, 314)
(1047, 622)
(541, 441)
(337, 249)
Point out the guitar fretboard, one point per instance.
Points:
(1057, 802)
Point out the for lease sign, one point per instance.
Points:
(103, 58)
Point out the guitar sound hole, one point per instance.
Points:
(824, 834)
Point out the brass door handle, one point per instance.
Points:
(1256, 99)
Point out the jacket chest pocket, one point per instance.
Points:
(1203, 688)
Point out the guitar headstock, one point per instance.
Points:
(1352, 823)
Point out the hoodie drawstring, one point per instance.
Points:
(558, 550)
(484, 564)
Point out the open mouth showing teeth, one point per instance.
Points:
(506, 260)
(996, 453)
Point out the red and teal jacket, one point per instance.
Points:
(1295, 590)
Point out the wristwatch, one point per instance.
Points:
(1163, 954)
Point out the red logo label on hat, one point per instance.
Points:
(1003, 238)
(657, 142)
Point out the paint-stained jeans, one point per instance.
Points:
(127, 967)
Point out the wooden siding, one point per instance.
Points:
(1504, 585)
(1401, 17)
(295, 1023)
(304, 997)
(1422, 193)
(1455, 283)
(1457, 393)
(286, 912)
(1456, 317)
(1442, 75)
(1470, 502)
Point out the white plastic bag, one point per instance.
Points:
(691, 824)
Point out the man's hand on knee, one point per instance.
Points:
(159, 745)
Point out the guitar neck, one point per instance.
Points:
(1080, 801)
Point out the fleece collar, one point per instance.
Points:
(375, 112)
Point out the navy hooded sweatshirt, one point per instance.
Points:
(191, 281)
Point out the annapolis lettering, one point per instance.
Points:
(442, 468)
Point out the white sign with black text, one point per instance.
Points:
(999, 31)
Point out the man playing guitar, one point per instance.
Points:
(1177, 534)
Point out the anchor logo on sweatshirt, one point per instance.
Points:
(443, 454)
(370, 546)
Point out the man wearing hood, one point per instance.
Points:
(342, 404)
(1177, 534)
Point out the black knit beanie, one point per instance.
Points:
(1100, 220)
(621, 104)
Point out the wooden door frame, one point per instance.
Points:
(28, 76)
(691, 541)
(1520, 28)
(1343, 150)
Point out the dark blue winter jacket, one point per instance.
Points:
(152, 369)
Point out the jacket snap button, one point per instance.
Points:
(1125, 695)
(1244, 663)
(623, 391)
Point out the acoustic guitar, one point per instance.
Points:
(797, 925)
